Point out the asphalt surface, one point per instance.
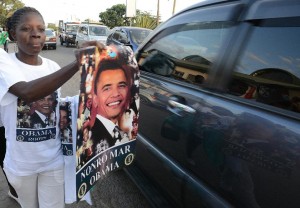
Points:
(114, 191)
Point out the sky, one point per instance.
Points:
(67, 10)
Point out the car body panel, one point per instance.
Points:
(50, 41)
(229, 141)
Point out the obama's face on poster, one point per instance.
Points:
(111, 94)
(45, 105)
(63, 122)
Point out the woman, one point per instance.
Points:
(33, 162)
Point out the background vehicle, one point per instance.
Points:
(131, 36)
(87, 32)
(225, 131)
(68, 34)
(50, 39)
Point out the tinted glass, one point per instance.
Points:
(123, 37)
(98, 31)
(138, 35)
(186, 52)
(269, 69)
(116, 35)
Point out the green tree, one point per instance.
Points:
(7, 7)
(114, 16)
(145, 20)
(52, 26)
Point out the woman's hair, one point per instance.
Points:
(14, 20)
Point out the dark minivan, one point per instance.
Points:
(219, 122)
(130, 36)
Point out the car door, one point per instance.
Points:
(234, 139)
(261, 151)
(81, 34)
(178, 119)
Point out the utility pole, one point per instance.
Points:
(157, 16)
(174, 5)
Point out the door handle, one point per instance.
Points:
(176, 107)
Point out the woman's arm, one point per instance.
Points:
(41, 87)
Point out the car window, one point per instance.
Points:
(138, 35)
(268, 70)
(83, 30)
(123, 37)
(71, 28)
(116, 35)
(186, 52)
(98, 31)
(49, 33)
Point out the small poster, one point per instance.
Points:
(108, 112)
(65, 127)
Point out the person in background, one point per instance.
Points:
(3, 39)
(33, 160)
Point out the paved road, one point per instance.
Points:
(114, 191)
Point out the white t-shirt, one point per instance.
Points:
(30, 147)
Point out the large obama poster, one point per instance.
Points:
(108, 112)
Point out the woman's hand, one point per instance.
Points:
(88, 44)
(98, 44)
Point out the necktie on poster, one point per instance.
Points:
(108, 91)
(46, 121)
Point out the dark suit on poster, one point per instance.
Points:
(134, 106)
(36, 119)
(99, 132)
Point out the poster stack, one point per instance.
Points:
(108, 112)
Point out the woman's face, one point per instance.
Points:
(30, 34)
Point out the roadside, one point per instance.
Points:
(124, 196)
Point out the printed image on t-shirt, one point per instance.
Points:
(65, 127)
(36, 121)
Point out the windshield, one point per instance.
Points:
(49, 33)
(71, 28)
(98, 30)
(138, 35)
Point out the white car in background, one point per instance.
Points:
(50, 41)
(87, 32)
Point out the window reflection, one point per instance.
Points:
(269, 69)
(188, 50)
